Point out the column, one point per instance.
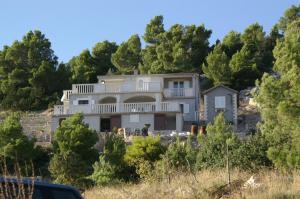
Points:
(234, 104)
(157, 102)
(179, 122)
(119, 104)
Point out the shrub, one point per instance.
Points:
(252, 153)
(181, 154)
(74, 152)
(104, 172)
(212, 151)
(111, 167)
(143, 153)
(248, 154)
(15, 146)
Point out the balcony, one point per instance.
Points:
(147, 107)
(116, 87)
(179, 92)
(66, 95)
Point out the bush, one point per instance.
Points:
(252, 153)
(181, 154)
(15, 146)
(143, 153)
(212, 153)
(104, 172)
(74, 152)
(111, 167)
(248, 154)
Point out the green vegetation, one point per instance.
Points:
(143, 153)
(280, 103)
(111, 167)
(85, 67)
(30, 74)
(32, 79)
(74, 152)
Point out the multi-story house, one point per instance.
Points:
(165, 101)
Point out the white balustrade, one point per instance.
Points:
(82, 108)
(178, 92)
(83, 88)
(58, 110)
(104, 108)
(144, 107)
(115, 87)
(67, 94)
(148, 87)
(169, 106)
(138, 107)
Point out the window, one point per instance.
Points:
(179, 84)
(220, 102)
(134, 118)
(178, 88)
(83, 102)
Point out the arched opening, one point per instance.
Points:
(108, 100)
(138, 99)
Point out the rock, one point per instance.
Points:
(252, 102)
(252, 183)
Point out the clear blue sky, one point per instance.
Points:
(74, 25)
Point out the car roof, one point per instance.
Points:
(36, 183)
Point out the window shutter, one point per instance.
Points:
(220, 102)
(186, 108)
(75, 102)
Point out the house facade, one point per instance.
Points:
(220, 99)
(165, 101)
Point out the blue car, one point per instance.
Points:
(32, 189)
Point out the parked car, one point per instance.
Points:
(34, 189)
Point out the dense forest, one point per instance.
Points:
(33, 79)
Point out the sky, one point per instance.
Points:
(75, 25)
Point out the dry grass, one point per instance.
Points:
(205, 185)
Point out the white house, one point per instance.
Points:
(165, 101)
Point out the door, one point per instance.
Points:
(159, 122)
(178, 88)
(116, 121)
(105, 125)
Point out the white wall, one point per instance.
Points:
(143, 119)
(93, 121)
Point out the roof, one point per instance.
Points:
(149, 75)
(29, 181)
(218, 86)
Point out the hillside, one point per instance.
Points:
(205, 185)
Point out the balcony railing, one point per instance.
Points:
(179, 92)
(118, 108)
(66, 95)
(116, 87)
(59, 110)
(104, 108)
(138, 107)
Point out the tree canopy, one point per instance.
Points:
(74, 151)
(127, 57)
(179, 49)
(28, 70)
(88, 65)
(278, 98)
